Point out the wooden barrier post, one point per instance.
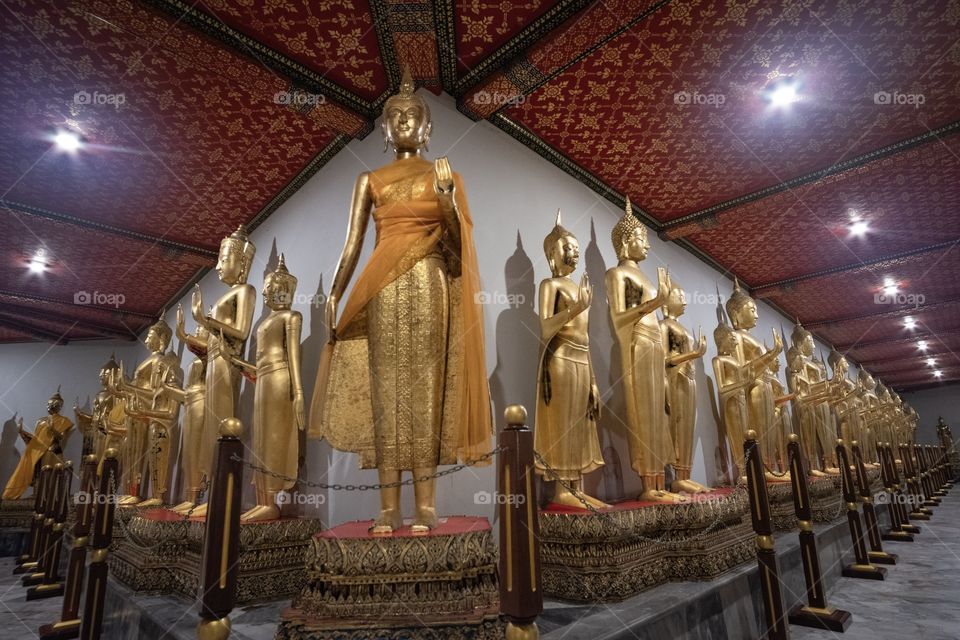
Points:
(69, 624)
(774, 609)
(919, 511)
(862, 567)
(91, 622)
(50, 503)
(51, 585)
(521, 594)
(948, 465)
(900, 528)
(817, 613)
(940, 483)
(929, 492)
(221, 537)
(28, 561)
(876, 552)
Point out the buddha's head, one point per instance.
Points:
(838, 363)
(279, 287)
(158, 336)
(406, 119)
(561, 249)
(802, 340)
(55, 403)
(866, 380)
(236, 257)
(774, 365)
(741, 308)
(108, 370)
(726, 339)
(676, 301)
(629, 236)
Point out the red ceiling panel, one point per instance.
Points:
(483, 27)
(337, 40)
(644, 113)
(930, 320)
(174, 150)
(873, 354)
(909, 200)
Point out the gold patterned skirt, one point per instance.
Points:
(651, 447)
(682, 392)
(407, 328)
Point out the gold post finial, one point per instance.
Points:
(515, 415)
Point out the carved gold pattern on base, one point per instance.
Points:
(16, 514)
(590, 558)
(434, 586)
(164, 556)
(825, 501)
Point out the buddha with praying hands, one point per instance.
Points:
(568, 401)
(403, 379)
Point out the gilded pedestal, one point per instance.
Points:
(439, 585)
(16, 514)
(633, 546)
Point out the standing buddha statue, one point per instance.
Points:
(568, 400)
(43, 447)
(403, 379)
(732, 380)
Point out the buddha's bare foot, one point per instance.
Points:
(152, 502)
(261, 513)
(249, 512)
(386, 523)
(576, 500)
(128, 501)
(659, 495)
(688, 486)
(425, 520)
(776, 477)
(832, 471)
(200, 511)
(183, 507)
(817, 473)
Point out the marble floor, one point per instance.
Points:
(918, 600)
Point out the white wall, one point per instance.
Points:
(930, 405)
(513, 195)
(29, 375)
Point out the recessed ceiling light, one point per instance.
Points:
(931, 362)
(67, 141)
(910, 323)
(922, 345)
(38, 263)
(782, 93)
(859, 228)
(938, 374)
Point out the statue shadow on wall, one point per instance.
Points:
(9, 456)
(514, 378)
(605, 358)
(317, 452)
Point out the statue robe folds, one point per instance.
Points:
(48, 434)
(405, 384)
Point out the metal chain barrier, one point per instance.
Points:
(629, 533)
(366, 487)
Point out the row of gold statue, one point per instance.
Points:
(402, 380)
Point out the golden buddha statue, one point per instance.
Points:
(887, 416)
(568, 400)
(732, 380)
(153, 422)
(945, 434)
(196, 446)
(85, 426)
(869, 406)
(632, 299)
(228, 326)
(278, 401)
(403, 379)
(783, 421)
(761, 404)
(827, 429)
(43, 447)
(844, 398)
(682, 349)
(810, 407)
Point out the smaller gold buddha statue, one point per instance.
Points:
(43, 447)
(732, 380)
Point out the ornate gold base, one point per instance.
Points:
(162, 554)
(826, 501)
(589, 557)
(16, 514)
(359, 586)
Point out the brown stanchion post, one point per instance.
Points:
(919, 511)
(930, 498)
(862, 567)
(876, 552)
(900, 528)
(934, 465)
(774, 609)
(948, 465)
(817, 613)
(521, 594)
(28, 561)
(50, 502)
(91, 622)
(69, 624)
(51, 585)
(221, 537)
(902, 490)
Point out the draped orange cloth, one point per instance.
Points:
(410, 225)
(49, 430)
